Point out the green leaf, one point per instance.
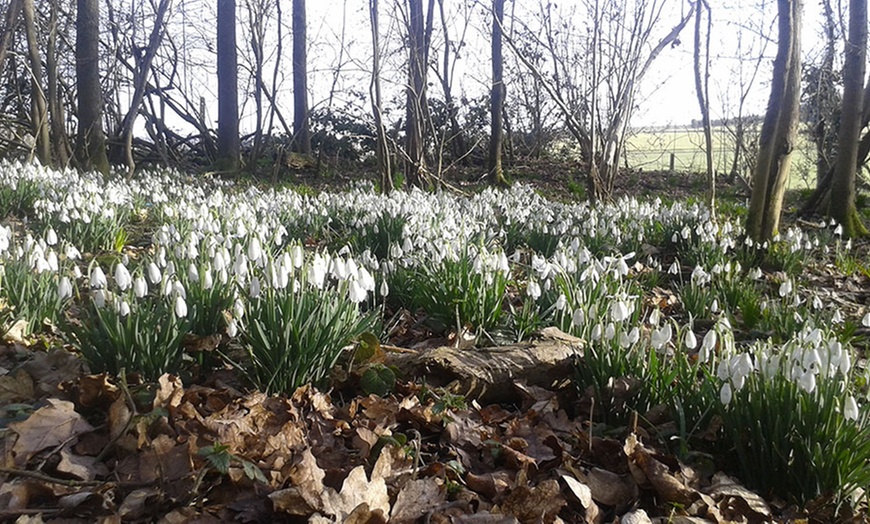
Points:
(378, 379)
(253, 472)
(367, 347)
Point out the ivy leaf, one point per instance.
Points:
(378, 379)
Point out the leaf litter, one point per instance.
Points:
(90, 448)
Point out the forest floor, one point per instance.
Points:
(208, 448)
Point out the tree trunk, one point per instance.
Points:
(59, 138)
(12, 14)
(701, 89)
(779, 129)
(383, 153)
(38, 106)
(143, 68)
(841, 206)
(228, 141)
(497, 96)
(301, 126)
(91, 142)
(415, 164)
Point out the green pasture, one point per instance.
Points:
(651, 149)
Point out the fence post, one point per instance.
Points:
(673, 159)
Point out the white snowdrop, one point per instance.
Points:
(180, 307)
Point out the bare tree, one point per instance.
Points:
(779, 130)
(382, 151)
(419, 28)
(593, 77)
(497, 96)
(301, 125)
(702, 83)
(59, 138)
(141, 74)
(841, 206)
(38, 105)
(228, 142)
(91, 142)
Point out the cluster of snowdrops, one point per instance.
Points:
(664, 296)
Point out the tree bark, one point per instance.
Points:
(12, 14)
(702, 91)
(779, 129)
(301, 127)
(59, 138)
(38, 105)
(841, 206)
(228, 141)
(416, 105)
(383, 153)
(91, 142)
(497, 96)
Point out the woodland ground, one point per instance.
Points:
(209, 448)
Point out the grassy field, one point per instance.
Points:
(651, 149)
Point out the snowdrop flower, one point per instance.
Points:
(255, 250)
(674, 269)
(807, 381)
(99, 297)
(207, 281)
(533, 290)
(180, 307)
(254, 287)
(153, 273)
(618, 311)
(850, 408)
(837, 317)
(690, 340)
(725, 394)
(64, 288)
(140, 287)
(238, 308)
(579, 317)
(123, 279)
(123, 308)
(707, 346)
(755, 273)
(385, 288)
(232, 328)
(838, 230)
(561, 302)
(297, 255)
(785, 288)
(817, 304)
(356, 293)
(866, 320)
(609, 331)
(192, 272)
(660, 337)
(655, 317)
(97, 278)
(596, 332)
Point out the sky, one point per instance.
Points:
(667, 95)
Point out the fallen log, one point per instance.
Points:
(491, 374)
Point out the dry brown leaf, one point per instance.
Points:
(668, 486)
(535, 504)
(96, 390)
(170, 392)
(357, 489)
(492, 485)
(307, 478)
(135, 505)
(15, 388)
(583, 494)
(51, 369)
(724, 487)
(48, 427)
(416, 498)
(119, 416)
(16, 332)
(637, 516)
(81, 467)
(609, 488)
